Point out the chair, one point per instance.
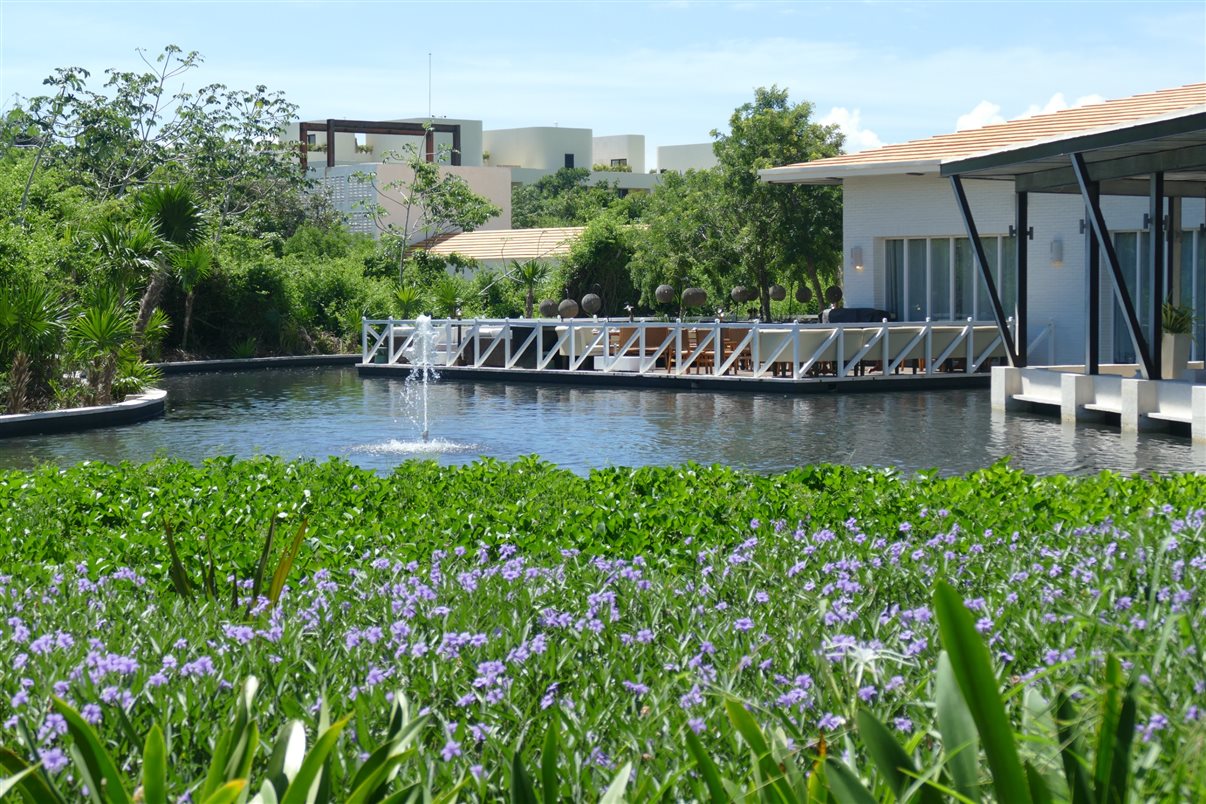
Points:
(729, 341)
(707, 358)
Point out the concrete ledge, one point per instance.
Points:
(697, 382)
(250, 363)
(134, 408)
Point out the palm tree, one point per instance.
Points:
(529, 275)
(193, 266)
(129, 250)
(31, 327)
(98, 335)
(172, 211)
(409, 300)
(448, 294)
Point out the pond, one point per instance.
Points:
(315, 413)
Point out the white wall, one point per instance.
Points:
(878, 208)
(620, 146)
(539, 147)
(681, 158)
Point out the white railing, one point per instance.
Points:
(760, 350)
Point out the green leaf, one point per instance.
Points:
(981, 690)
(1117, 733)
(9, 783)
(619, 785)
(522, 791)
(745, 724)
(287, 756)
(960, 745)
(1039, 793)
(1071, 752)
(894, 764)
(154, 767)
(707, 768)
(307, 776)
(94, 762)
(37, 788)
(227, 793)
(550, 786)
(844, 785)
(286, 564)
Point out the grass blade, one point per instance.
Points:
(550, 786)
(257, 583)
(285, 565)
(522, 791)
(844, 785)
(307, 776)
(8, 784)
(1039, 793)
(772, 775)
(619, 785)
(36, 788)
(981, 690)
(227, 793)
(154, 767)
(707, 768)
(890, 758)
(1070, 751)
(960, 743)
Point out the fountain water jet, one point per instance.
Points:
(421, 356)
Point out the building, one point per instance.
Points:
(498, 249)
(681, 158)
(907, 251)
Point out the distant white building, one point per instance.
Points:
(681, 158)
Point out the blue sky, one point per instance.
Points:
(886, 71)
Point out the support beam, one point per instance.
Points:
(978, 249)
(1021, 312)
(1159, 269)
(1191, 158)
(330, 143)
(1092, 291)
(1098, 226)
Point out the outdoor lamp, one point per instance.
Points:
(1057, 252)
(856, 258)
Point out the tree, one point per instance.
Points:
(564, 198)
(598, 262)
(172, 212)
(31, 325)
(425, 203)
(193, 266)
(528, 275)
(780, 230)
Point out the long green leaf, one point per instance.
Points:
(1070, 751)
(285, 565)
(298, 791)
(894, 764)
(549, 784)
(154, 767)
(844, 785)
(615, 792)
(981, 690)
(35, 788)
(707, 768)
(960, 744)
(744, 722)
(9, 783)
(287, 756)
(522, 791)
(1039, 793)
(96, 765)
(1115, 791)
(257, 584)
(227, 793)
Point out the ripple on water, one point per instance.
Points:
(434, 446)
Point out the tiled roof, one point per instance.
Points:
(929, 153)
(506, 244)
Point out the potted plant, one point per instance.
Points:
(1177, 323)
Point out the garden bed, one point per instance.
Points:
(134, 408)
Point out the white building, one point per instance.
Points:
(681, 158)
(907, 251)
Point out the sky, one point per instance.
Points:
(673, 71)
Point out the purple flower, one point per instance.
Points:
(697, 724)
(635, 687)
(91, 713)
(451, 749)
(830, 722)
(744, 624)
(53, 759)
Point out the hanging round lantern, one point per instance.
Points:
(568, 308)
(548, 309)
(591, 303)
(833, 294)
(664, 294)
(803, 294)
(738, 293)
(778, 292)
(694, 297)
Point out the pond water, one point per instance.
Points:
(316, 413)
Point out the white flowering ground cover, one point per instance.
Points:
(806, 625)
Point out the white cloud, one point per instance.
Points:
(1058, 103)
(986, 113)
(857, 137)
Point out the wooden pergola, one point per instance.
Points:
(333, 126)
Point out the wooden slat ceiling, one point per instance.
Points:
(505, 244)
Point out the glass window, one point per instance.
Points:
(983, 305)
(569, 160)
(894, 277)
(940, 279)
(964, 281)
(917, 289)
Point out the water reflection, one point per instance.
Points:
(322, 412)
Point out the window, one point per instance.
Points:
(936, 278)
(619, 163)
(312, 139)
(569, 160)
(1193, 285)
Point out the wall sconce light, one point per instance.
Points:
(1057, 253)
(856, 258)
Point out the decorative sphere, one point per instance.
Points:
(778, 292)
(591, 303)
(548, 309)
(738, 293)
(803, 294)
(694, 297)
(664, 294)
(833, 294)
(568, 308)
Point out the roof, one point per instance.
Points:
(927, 155)
(505, 244)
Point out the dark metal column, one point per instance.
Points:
(1021, 311)
(429, 145)
(330, 143)
(978, 249)
(1097, 220)
(1092, 293)
(1156, 241)
(456, 146)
